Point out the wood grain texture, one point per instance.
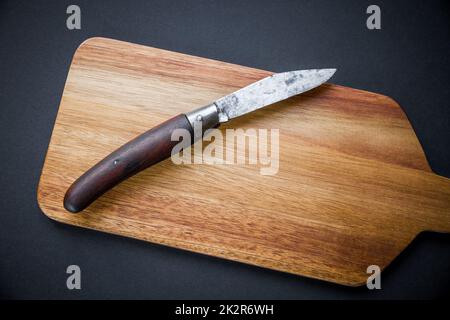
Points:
(353, 187)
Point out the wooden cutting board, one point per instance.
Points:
(353, 187)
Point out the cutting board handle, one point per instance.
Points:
(433, 203)
(145, 150)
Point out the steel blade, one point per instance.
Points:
(264, 92)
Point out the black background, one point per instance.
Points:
(408, 60)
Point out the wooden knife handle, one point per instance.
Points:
(145, 150)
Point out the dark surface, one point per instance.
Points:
(408, 60)
(147, 149)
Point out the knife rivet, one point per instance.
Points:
(116, 162)
(199, 118)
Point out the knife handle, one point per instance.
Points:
(145, 150)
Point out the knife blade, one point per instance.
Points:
(156, 145)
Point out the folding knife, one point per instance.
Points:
(156, 144)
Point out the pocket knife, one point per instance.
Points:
(156, 144)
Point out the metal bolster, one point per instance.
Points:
(207, 115)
